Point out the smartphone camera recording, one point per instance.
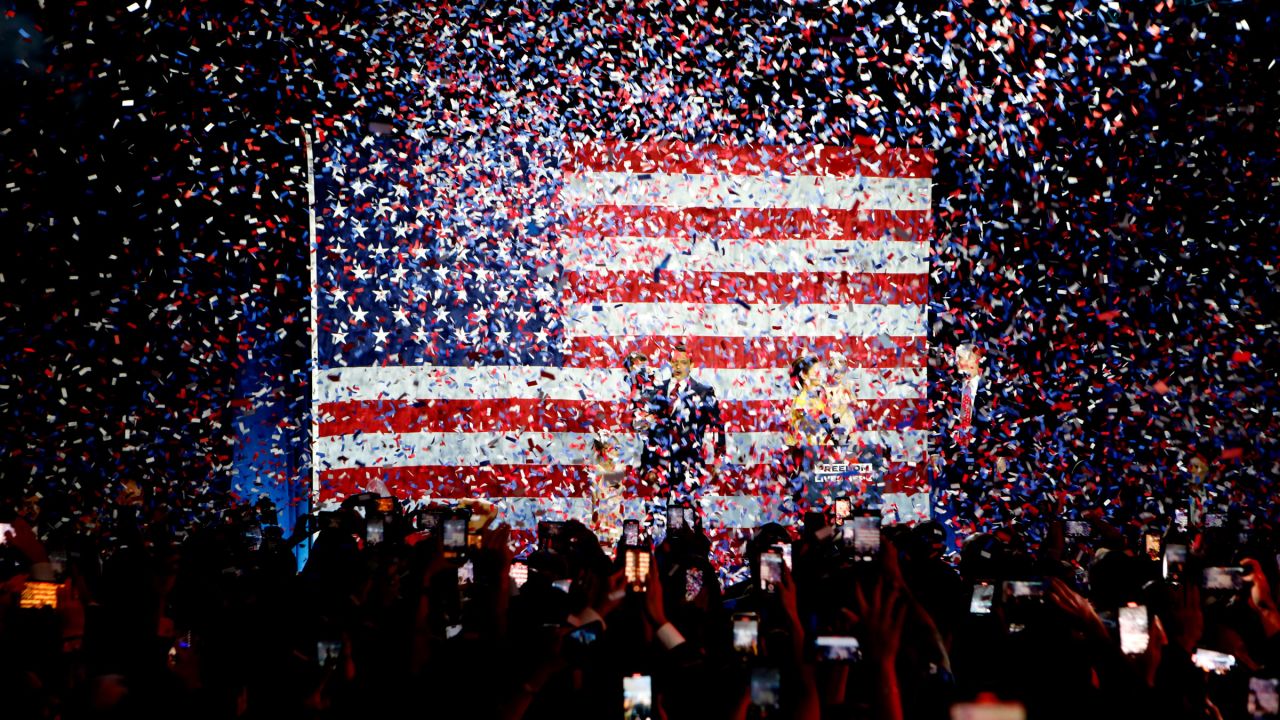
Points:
(637, 697)
(327, 652)
(785, 550)
(771, 571)
(1031, 591)
(989, 710)
(983, 598)
(766, 688)
(675, 519)
(1134, 635)
(429, 522)
(1224, 579)
(631, 533)
(519, 574)
(1078, 529)
(746, 633)
(637, 570)
(1212, 661)
(843, 508)
(1152, 545)
(37, 594)
(551, 536)
(837, 649)
(454, 536)
(1263, 702)
(1022, 601)
(1181, 519)
(374, 530)
(1175, 563)
(861, 535)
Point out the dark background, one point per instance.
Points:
(1105, 203)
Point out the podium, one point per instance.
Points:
(840, 472)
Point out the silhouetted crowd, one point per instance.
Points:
(428, 611)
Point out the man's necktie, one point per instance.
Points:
(966, 407)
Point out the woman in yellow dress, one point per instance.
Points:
(809, 433)
(810, 423)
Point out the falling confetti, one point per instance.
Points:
(1103, 219)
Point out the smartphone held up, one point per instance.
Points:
(637, 697)
(454, 535)
(771, 564)
(860, 534)
(746, 633)
(766, 690)
(1263, 701)
(631, 533)
(1134, 629)
(988, 708)
(636, 565)
(1212, 661)
(983, 598)
(837, 649)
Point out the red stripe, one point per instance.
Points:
(639, 286)
(447, 481)
(747, 353)
(507, 414)
(865, 158)
(489, 481)
(763, 223)
(500, 481)
(514, 415)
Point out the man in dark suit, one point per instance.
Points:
(965, 415)
(691, 412)
(983, 427)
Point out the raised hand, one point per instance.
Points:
(612, 595)
(1075, 606)
(1188, 618)
(1260, 598)
(22, 538)
(882, 614)
(787, 598)
(653, 605)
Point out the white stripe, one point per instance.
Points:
(589, 384)
(746, 191)
(733, 320)
(505, 448)
(900, 507)
(524, 513)
(743, 255)
(726, 511)
(718, 511)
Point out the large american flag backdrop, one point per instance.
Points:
(474, 301)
